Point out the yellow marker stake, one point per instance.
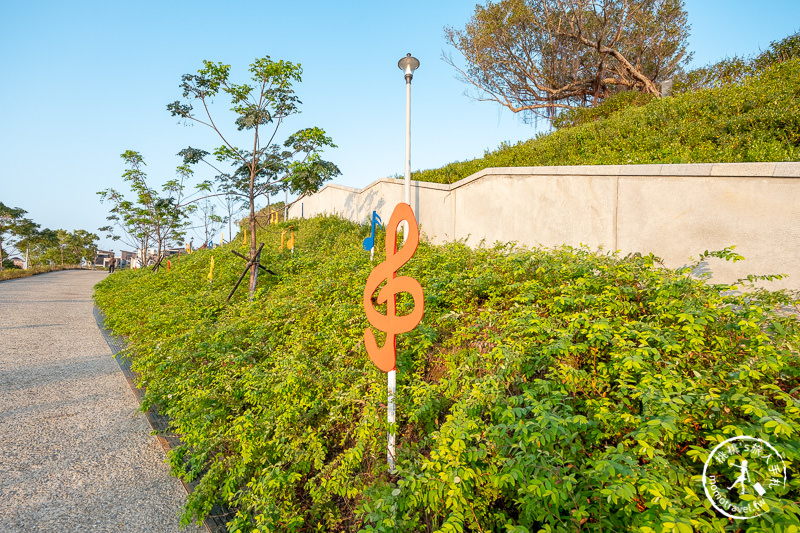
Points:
(290, 244)
(221, 238)
(211, 271)
(283, 236)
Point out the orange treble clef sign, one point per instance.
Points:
(384, 357)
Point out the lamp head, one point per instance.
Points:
(408, 65)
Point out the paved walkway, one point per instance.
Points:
(75, 455)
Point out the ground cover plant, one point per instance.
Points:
(544, 390)
(755, 120)
(15, 273)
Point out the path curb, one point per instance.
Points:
(216, 520)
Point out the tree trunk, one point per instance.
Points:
(254, 268)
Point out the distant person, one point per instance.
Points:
(111, 265)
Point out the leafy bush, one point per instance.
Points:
(8, 263)
(758, 120)
(544, 390)
(613, 104)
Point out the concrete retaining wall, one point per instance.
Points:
(673, 211)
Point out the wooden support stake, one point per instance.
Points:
(158, 263)
(262, 267)
(250, 263)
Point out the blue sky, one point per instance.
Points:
(85, 81)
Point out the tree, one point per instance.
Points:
(210, 220)
(543, 56)
(14, 227)
(39, 245)
(260, 109)
(233, 205)
(72, 246)
(151, 218)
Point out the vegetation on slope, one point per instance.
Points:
(757, 120)
(544, 390)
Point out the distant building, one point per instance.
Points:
(126, 257)
(103, 257)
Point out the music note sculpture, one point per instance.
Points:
(369, 242)
(385, 356)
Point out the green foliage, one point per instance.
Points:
(14, 228)
(150, 218)
(544, 390)
(542, 57)
(267, 103)
(261, 108)
(613, 104)
(758, 120)
(736, 69)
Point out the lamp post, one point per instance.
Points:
(408, 65)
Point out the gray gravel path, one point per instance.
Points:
(75, 454)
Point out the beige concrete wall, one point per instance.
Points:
(673, 211)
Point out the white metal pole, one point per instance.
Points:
(408, 141)
(407, 182)
(392, 382)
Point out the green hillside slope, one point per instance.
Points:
(544, 390)
(758, 120)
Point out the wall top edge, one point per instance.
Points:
(785, 169)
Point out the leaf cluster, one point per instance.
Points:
(544, 390)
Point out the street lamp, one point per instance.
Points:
(408, 65)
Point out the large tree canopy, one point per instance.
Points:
(543, 56)
(14, 227)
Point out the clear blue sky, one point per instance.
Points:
(84, 81)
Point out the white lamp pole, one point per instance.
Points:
(408, 65)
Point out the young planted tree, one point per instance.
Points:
(13, 227)
(545, 56)
(152, 218)
(210, 221)
(261, 108)
(233, 205)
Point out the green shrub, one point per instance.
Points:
(611, 105)
(544, 390)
